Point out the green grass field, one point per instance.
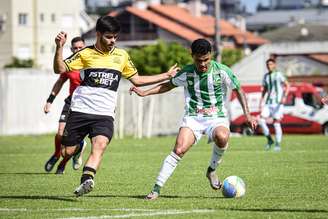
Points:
(289, 184)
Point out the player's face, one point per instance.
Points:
(107, 41)
(202, 62)
(271, 66)
(77, 46)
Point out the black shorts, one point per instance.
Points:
(79, 125)
(65, 111)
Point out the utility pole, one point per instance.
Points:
(217, 39)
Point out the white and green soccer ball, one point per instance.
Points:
(233, 187)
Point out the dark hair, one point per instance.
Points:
(77, 39)
(201, 47)
(108, 24)
(270, 60)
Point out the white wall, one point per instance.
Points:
(23, 93)
(250, 70)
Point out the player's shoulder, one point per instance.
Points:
(221, 68)
(120, 52)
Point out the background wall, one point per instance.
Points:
(23, 93)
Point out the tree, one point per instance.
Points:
(20, 63)
(154, 59)
(231, 56)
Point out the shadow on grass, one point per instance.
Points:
(39, 197)
(161, 197)
(43, 173)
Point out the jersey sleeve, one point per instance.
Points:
(282, 77)
(180, 79)
(230, 79)
(129, 69)
(74, 62)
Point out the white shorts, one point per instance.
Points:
(204, 125)
(275, 111)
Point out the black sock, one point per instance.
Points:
(269, 138)
(88, 173)
(210, 169)
(157, 188)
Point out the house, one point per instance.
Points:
(299, 61)
(144, 24)
(28, 28)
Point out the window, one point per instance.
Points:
(42, 49)
(290, 101)
(53, 18)
(42, 17)
(22, 19)
(310, 100)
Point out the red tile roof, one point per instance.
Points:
(165, 24)
(320, 57)
(205, 24)
(181, 22)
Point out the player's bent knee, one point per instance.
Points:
(221, 138)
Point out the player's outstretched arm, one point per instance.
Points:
(159, 89)
(138, 80)
(251, 122)
(59, 65)
(55, 90)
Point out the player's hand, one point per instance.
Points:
(173, 70)
(251, 122)
(324, 100)
(138, 91)
(61, 39)
(46, 108)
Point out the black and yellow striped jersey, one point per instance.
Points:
(100, 75)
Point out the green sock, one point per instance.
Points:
(156, 188)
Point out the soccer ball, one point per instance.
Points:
(233, 187)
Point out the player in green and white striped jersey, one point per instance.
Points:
(275, 87)
(205, 83)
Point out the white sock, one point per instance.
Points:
(168, 166)
(264, 127)
(278, 131)
(217, 154)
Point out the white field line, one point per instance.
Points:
(75, 209)
(162, 213)
(136, 212)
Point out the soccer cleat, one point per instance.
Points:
(77, 158)
(51, 163)
(84, 188)
(269, 144)
(60, 170)
(152, 196)
(213, 179)
(277, 148)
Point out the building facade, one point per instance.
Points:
(28, 28)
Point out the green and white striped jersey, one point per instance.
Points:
(274, 84)
(205, 93)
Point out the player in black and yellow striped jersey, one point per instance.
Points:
(93, 103)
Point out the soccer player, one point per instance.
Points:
(93, 103)
(205, 83)
(77, 43)
(275, 87)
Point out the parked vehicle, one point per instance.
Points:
(304, 113)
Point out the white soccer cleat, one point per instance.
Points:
(214, 180)
(84, 188)
(152, 196)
